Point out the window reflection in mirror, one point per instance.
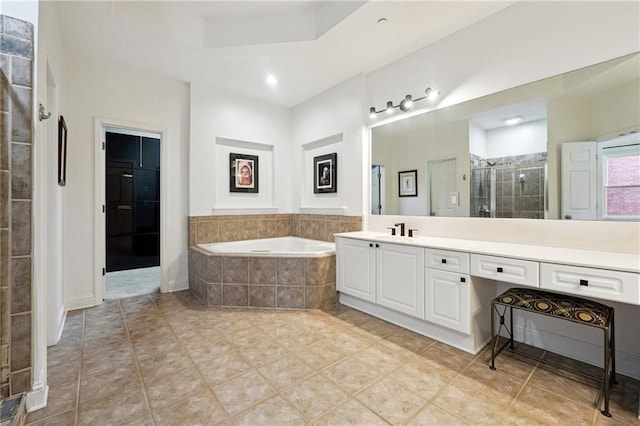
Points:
(505, 168)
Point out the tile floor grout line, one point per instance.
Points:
(524, 385)
(195, 366)
(431, 400)
(139, 319)
(84, 325)
(135, 360)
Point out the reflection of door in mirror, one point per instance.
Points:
(443, 188)
(593, 103)
(377, 191)
(601, 180)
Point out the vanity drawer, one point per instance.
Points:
(600, 283)
(446, 260)
(523, 272)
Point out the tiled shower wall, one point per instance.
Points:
(520, 186)
(16, 64)
(213, 229)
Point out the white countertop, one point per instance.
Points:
(587, 258)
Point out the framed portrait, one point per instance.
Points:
(62, 152)
(243, 173)
(408, 183)
(325, 175)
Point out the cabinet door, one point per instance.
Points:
(356, 268)
(447, 301)
(400, 278)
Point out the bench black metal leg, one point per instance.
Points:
(613, 348)
(493, 339)
(607, 362)
(511, 327)
(495, 336)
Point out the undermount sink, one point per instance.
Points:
(398, 238)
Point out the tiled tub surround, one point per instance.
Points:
(16, 70)
(214, 229)
(268, 282)
(263, 281)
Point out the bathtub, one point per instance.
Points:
(276, 247)
(284, 273)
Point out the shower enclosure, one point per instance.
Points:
(509, 190)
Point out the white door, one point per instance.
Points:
(400, 278)
(443, 192)
(356, 268)
(579, 181)
(447, 299)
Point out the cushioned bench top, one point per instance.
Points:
(563, 306)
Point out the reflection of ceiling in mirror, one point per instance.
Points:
(497, 117)
(592, 103)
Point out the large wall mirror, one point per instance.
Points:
(501, 155)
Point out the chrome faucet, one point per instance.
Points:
(401, 225)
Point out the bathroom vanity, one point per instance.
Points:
(442, 287)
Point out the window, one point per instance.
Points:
(621, 182)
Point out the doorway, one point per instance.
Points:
(443, 189)
(132, 210)
(377, 189)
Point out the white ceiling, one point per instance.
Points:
(309, 46)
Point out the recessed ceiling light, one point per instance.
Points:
(271, 80)
(382, 21)
(511, 121)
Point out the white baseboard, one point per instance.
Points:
(60, 321)
(471, 343)
(80, 302)
(37, 397)
(177, 286)
(626, 363)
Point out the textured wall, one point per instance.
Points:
(16, 65)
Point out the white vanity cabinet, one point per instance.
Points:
(356, 266)
(391, 275)
(447, 299)
(443, 287)
(447, 289)
(400, 278)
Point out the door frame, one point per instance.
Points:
(429, 182)
(381, 189)
(100, 126)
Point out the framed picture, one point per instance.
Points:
(62, 152)
(408, 183)
(325, 175)
(243, 173)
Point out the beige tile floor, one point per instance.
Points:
(165, 359)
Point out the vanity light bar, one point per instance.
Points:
(406, 104)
